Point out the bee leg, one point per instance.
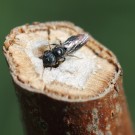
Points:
(62, 59)
(59, 41)
(74, 56)
(50, 47)
(55, 44)
(41, 57)
(57, 64)
(51, 67)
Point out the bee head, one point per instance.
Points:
(49, 59)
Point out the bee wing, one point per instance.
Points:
(74, 43)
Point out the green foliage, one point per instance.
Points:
(110, 22)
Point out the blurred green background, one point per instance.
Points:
(112, 22)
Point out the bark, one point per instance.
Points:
(103, 113)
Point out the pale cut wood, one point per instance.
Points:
(79, 97)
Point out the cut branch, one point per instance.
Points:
(80, 97)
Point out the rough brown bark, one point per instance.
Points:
(46, 116)
(98, 115)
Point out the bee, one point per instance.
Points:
(53, 57)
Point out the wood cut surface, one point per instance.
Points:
(87, 78)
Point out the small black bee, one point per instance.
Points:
(52, 58)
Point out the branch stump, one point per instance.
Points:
(80, 97)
